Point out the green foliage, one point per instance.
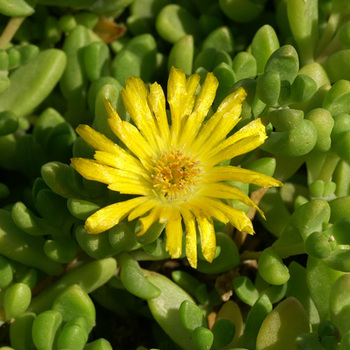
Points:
(287, 287)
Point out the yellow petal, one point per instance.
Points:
(207, 234)
(173, 231)
(135, 97)
(238, 218)
(180, 98)
(191, 237)
(142, 209)
(203, 103)
(221, 122)
(189, 99)
(232, 173)
(130, 186)
(176, 90)
(127, 162)
(243, 141)
(109, 216)
(222, 190)
(200, 204)
(148, 220)
(156, 100)
(98, 140)
(129, 135)
(94, 171)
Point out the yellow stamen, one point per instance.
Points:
(175, 174)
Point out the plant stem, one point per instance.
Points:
(332, 47)
(328, 167)
(289, 250)
(10, 30)
(332, 25)
(249, 255)
(314, 163)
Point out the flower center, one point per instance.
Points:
(175, 174)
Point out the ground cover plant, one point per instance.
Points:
(174, 174)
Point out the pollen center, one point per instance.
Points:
(175, 174)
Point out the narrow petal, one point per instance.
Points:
(176, 90)
(238, 218)
(131, 186)
(173, 231)
(98, 140)
(192, 84)
(129, 135)
(135, 97)
(232, 173)
(207, 234)
(156, 100)
(254, 128)
(226, 191)
(180, 98)
(142, 209)
(191, 236)
(200, 204)
(125, 162)
(147, 221)
(221, 122)
(243, 141)
(92, 170)
(203, 103)
(109, 216)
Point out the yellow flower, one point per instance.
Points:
(173, 169)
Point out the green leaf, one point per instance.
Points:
(303, 22)
(21, 332)
(272, 268)
(89, 276)
(181, 54)
(134, 280)
(264, 44)
(173, 22)
(16, 8)
(74, 302)
(16, 300)
(191, 316)
(242, 11)
(33, 82)
(339, 304)
(46, 328)
(320, 279)
(165, 309)
(282, 326)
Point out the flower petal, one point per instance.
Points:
(125, 162)
(156, 100)
(222, 190)
(238, 218)
(135, 97)
(98, 140)
(173, 231)
(130, 186)
(180, 98)
(191, 236)
(109, 216)
(200, 204)
(142, 209)
(207, 234)
(243, 141)
(92, 170)
(232, 173)
(147, 221)
(227, 115)
(129, 135)
(203, 103)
